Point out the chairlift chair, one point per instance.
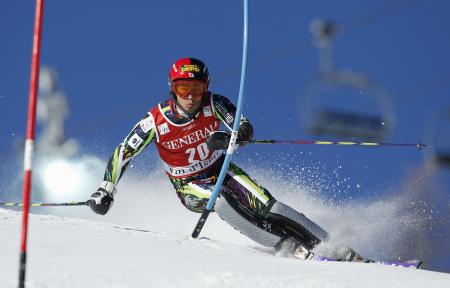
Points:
(320, 119)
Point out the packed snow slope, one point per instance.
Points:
(144, 240)
(68, 252)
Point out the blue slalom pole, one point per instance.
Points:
(232, 146)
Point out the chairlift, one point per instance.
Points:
(347, 124)
(321, 117)
(353, 120)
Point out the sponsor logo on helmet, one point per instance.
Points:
(190, 68)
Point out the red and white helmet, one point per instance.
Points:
(189, 69)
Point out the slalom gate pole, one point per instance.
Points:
(29, 141)
(232, 146)
(85, 203)
(347, 143)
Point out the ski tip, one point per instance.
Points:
(416, 263)
(413, 263)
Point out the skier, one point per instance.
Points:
(186, 131)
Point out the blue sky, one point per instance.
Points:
(113, 59)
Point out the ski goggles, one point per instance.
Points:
(185, 88)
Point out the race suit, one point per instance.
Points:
(191, 167)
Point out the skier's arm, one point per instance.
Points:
(142, 134)
(225, 111)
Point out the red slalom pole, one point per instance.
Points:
(29, 141)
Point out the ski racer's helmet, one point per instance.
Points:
(188, 69)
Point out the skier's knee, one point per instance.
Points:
(297, 225)
(258, 233)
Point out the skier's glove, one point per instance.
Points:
(218, 140)
(245, 132)
(102, 200)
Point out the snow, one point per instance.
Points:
(144, 241)
(68, 252)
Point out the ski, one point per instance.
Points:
(415, 263)
(349, 255)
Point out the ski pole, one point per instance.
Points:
(232, 144)
(348, 143)
(84, 203)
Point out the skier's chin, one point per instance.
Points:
(189, 106)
